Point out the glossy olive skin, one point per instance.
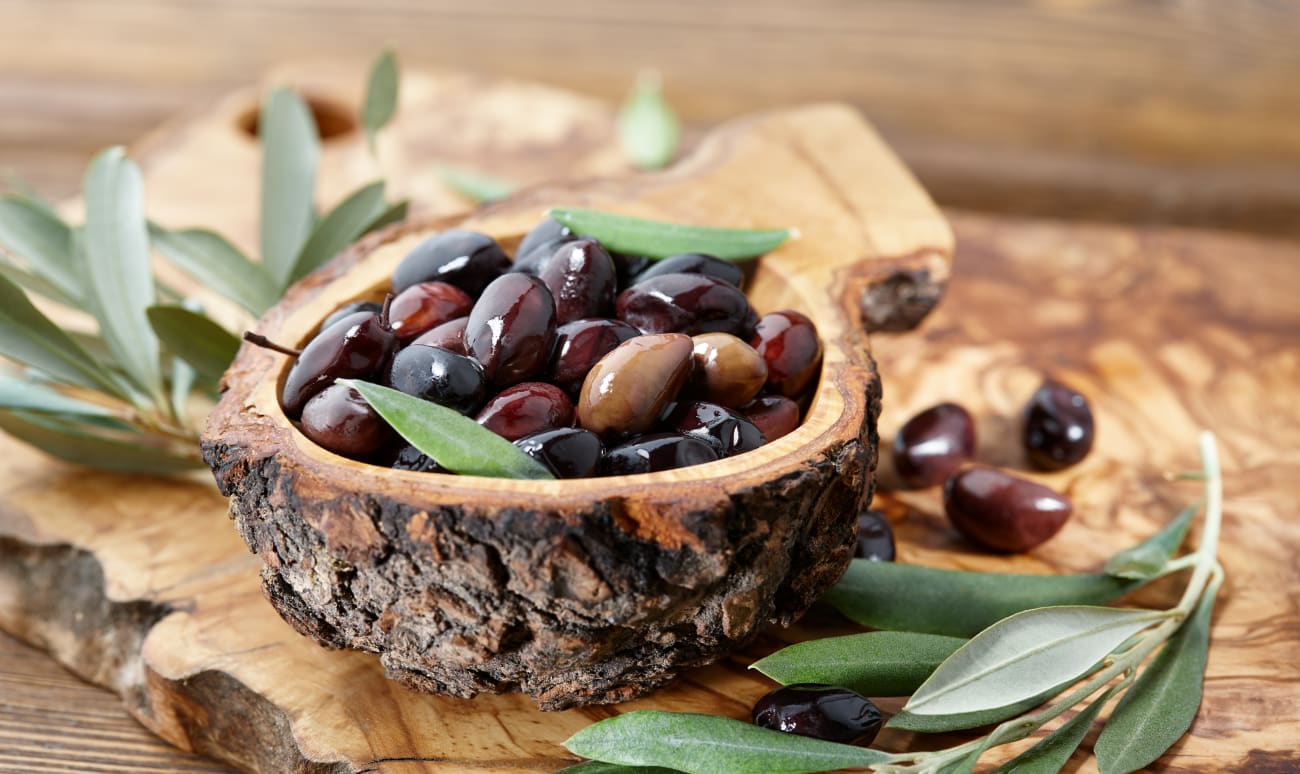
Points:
(721, 428)
(934, 444)
(628, 389)
(774, 415)
(539, 244)
(579, 345)
(694, 263)
(788, 341)
(467, 259)
(511, 328)
(819, 711)
(660, 451)
(450, 336)
(627, 267)
(1002, 512)
(411, 458)
(439, 375)
(580, 276)
(338, 419)
(426, 305)
(569, 452)
(727, 370)
(875, 537)
(347, 309)
(686, 303)
(525, 409)
(357, 347)
(1059, 427)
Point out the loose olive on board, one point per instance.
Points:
(934, 444)
(1003, 512)
(819, 711)
(875, 537)
(1058, 427)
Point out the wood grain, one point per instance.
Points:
(1126, 110)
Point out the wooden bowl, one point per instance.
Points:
(599, 590)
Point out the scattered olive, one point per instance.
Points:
(1003, 512)
(579, 344)
(686, 303)
(875, 537)
(511, 328)
(694, 263)
(819, 711)
(727, 370)
(788, 341)
(775, 415)
(659, 451)
(467, 259)
(425, 306)
(525, 409)
(932, 445)
(628, 389)
(580, 276)
(569, 452)
(450, 336)
(358, 346)
(726, 431)
(1058, 426)
(338, 419)
(439, 375)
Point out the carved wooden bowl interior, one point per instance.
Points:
(599, 590)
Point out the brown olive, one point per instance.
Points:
(526, 408)
(727, 370)
(933, 444)
(1058, 427)
(580, 276)
(788, 341)
(629, 388)
(1003, 512)
(511, 328)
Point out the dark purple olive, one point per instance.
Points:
(627, 390)
(525, 409)
(686, 303)
(539, 244)
(875, 537)
(694, 263)
(357, 347)
(788, 341)
(1002, 512)
(721, 428)
(626, 267)
(775, 415)
(580, 276)
(568, 452)
(933, 445)
(1058, 427)
(426, 305)
(467, 259)
(439, 375)
(511, 328)
(580, 344)
(347, 309)
(411, 458)
(660, 451)
(450, 336)
(819, 711)
(338, 419)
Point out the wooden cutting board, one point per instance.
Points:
(142, 586)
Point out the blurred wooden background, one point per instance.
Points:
(1147, 112)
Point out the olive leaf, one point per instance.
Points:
(658, 239)
(599, 767)
(873, 664)
(381, 95)
(83, 443)
(36, 284)
(211, 259)
(342, 226)
(1053, 751)
(478, 187)
(30, 231)
(182, 384)
(1162, 703)
(1022, 656)
(648, 130)
(451, 439)
(290, 152)
(193, 337)
(958, 603)
(392, 214)
(958, 721)
(116, 248)
(26, 395)
(706, 744)
(1147, 559)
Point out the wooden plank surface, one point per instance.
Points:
(1128, 110)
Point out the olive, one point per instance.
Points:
(627, 267)
(875, 537)
(819, 711)
(726, 431)
(788, 341)
(467, 259)
(774, 415)
(579, 344)
(526, 408)
(660, 451)
(539, 244)
(347, 309)
(511, 328)
(932, 445)
(727, 370)
(411, 458)
(580, 276)
(1003, 512)
(338, 419)
(450, 336)
(356, 347)
(694, 263)
(569, 452)
(629, 388)
(439, 375)
(686, 303)
(426, 305)
(1058, 427)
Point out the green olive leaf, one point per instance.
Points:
(1162, 703)
(290, 154)
(116, 245)
(1020, 657)
(451, 439)
(342, 226)
(29, 230)
(85, 443)
(658, 239)
(599, 767)
(36, 284)
(381, 95)
(705, 744)
(27, 395)
(182, 384)
(959, 721)
(1053, 751)
(1147, 559)
(195, 338)
(958, 603)
(477, 187)
(648, 131)
(392, 214)
(873, 664)
(211, 259)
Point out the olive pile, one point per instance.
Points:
(592, 363)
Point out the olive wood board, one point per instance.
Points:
(142, 586)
